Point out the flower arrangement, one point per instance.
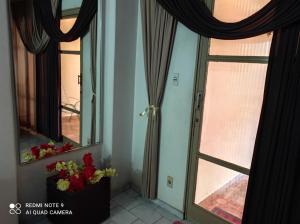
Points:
(45, 150)
(73, 177)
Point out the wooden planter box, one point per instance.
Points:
(90, 206)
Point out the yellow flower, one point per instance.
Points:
(50, 151)
(60, 166)
(110, 172)
(97, 176)
(71, 165)
(51, 143)
(27, 156)
(43, 152)
(63, 185)
(71, 172)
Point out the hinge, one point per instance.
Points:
(199, 99)
(79, 79)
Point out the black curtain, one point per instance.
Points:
(48, 88)
(273, 194)
(48, 92)
(34, 37)
(87, 11)
(196, 16)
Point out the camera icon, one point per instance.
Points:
(15, 209)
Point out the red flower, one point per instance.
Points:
(48, 154)
(88, 160)
(76, 183)
(51, 166)
(36, 152)
(88, 172)
(65, 148)
(63, 174)
(59, 150)
(68, 147)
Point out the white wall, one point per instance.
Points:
(176, 115)
(140, 102)
(109, 70)
(87, 93)
(176, 119)
(123, 98)
(8, 168)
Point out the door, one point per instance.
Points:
(71, 83)
(228, 97)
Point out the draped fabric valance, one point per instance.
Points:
(195, 15)
(81, 26)
(34, 37)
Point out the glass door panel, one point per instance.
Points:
(233, 100)
(70, 95)
(255, 46)
(229, 91)
(70, 83)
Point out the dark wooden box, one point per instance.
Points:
(89, 206)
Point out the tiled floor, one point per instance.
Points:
(130, 208)
(71, 127)
(230, 198)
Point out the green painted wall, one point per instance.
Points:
(69, 4)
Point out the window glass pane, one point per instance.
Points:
(221, 191)
(233, 100)
(65, 26)
(70, 89)
(70, 96)
(236, 10)
(256, 46)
